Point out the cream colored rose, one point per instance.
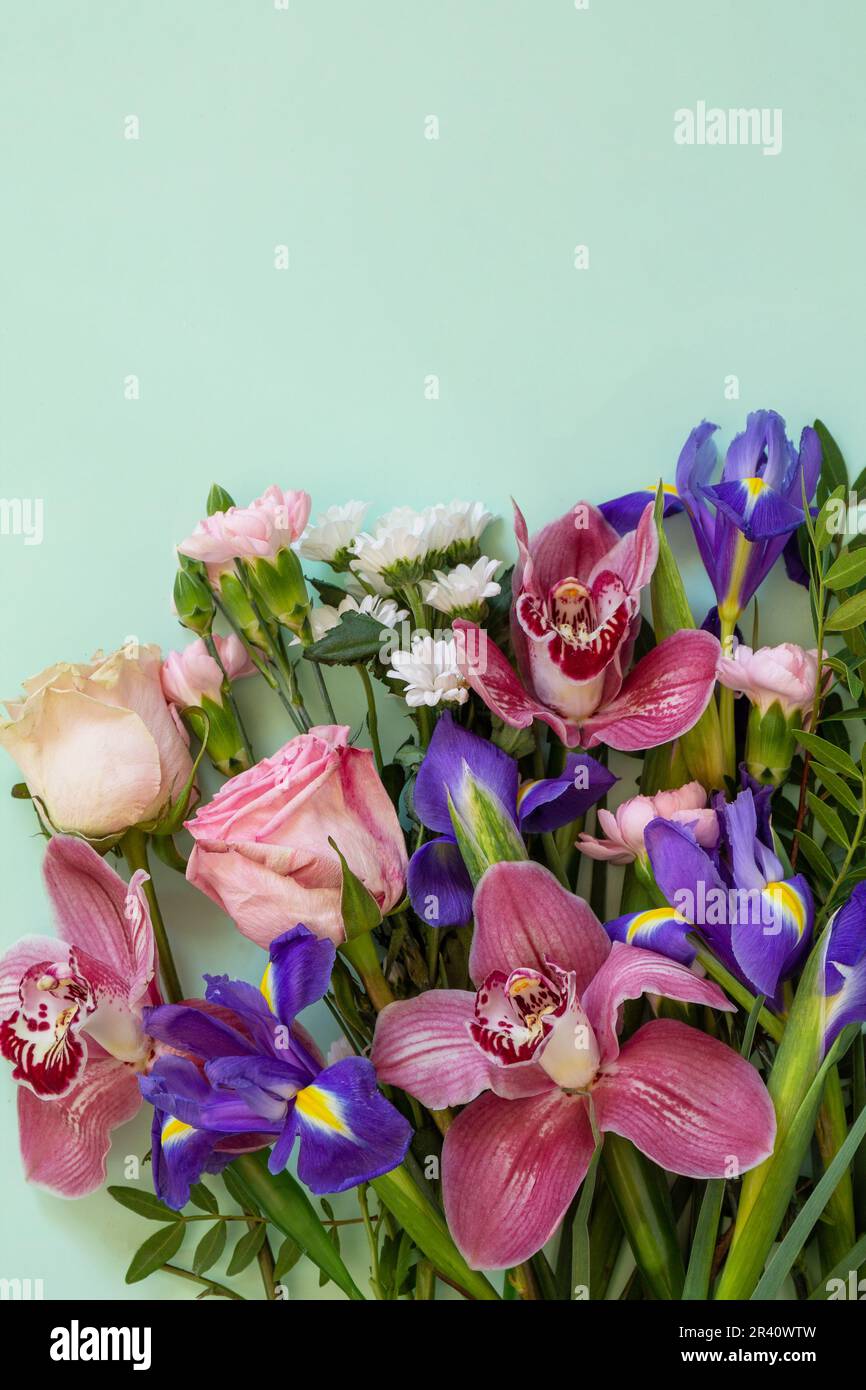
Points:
(97, 743)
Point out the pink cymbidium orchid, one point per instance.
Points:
(537, 1045)
(574, 619)
(71, 1018)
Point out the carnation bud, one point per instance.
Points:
(193, 600)
(218, 500)
(281, 589)
(770, 743)
(235, 600)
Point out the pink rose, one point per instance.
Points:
(192, 675)
(785, 675)
(624, 830)
(97, 743)
(262, 849)
(267, 525)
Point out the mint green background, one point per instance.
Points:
(408, 257)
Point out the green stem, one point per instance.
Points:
(324, 692)
(214, 651)
(133, 846)
(836, 1232)
(372, 1241)
(726, 703)
(372, 716)
(361, 951)
(218, 1290)
(642, 1199)
(285, 1203)
(714, 968)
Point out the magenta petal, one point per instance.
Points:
(662, 697)
(490, 674)
(688, 1102)
(423, 1045)
(509, 1171)
(524, 917)
(65, 1142)
(91, 901)
(14, 964)
(629, 972)
(634, 556)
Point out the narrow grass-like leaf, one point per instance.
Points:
(783, 1258)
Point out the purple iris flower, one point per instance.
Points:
(436, 870)
(743, 522)
(624, 513)
(757, 922)
(844, 965)
(257, 1079)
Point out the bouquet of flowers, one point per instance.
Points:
(584, 1050)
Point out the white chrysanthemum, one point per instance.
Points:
(430, 672)
(464, 589)
(400, 542)
(462, 521)
(326, 616)
(332, 532)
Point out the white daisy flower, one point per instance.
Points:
(463, 590)
(396, 551)
(329, 538)
(430, 672)
(460, 526)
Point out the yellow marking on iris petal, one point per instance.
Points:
(754, 486)
(173, 1130)
(524, 788)
(784, 896)
(315, 1105)
(667, 488)
(265, 987)
(651, 918)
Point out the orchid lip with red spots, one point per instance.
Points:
(535, 1057)
(575, 618)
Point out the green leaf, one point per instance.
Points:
(783, 1258)
(284, 1202)
(849, 614)
(828, 820)
(210, 1247)
(426, 1225)
(218, 500)
(358, 908)
(247, 1248)
(287, 1257)
(357, 637)
(156, 1251)
(847, 570)
(834, 474)
(203, 1198)
(827, 520)
(853, 1260)
(840, 789)
(829, 754)
(143, 1203)
(816, 857)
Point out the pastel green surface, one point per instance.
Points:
(408, 257)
